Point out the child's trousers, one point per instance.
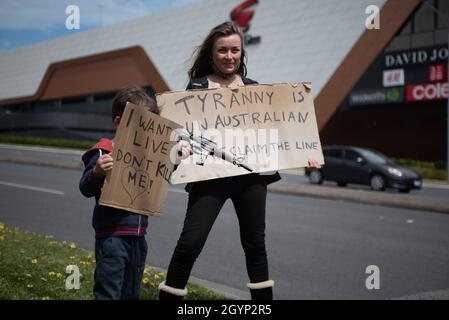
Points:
(120, 262)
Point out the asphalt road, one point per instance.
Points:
(318, 249)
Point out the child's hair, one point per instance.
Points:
(135, 95)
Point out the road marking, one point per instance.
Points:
(24, 186)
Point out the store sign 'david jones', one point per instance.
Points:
(429, 65)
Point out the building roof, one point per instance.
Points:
(300, 41)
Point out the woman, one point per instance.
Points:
(220, 63)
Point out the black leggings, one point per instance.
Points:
(248, 194)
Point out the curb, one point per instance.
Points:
(362, 196)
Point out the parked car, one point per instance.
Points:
(346, 164)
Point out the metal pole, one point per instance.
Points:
(447, 75)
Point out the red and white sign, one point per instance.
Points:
(437, 72)
(392, 78)
(428, 91)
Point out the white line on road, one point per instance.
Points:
(24, 186)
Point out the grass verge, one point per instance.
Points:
(33, 267)
(38, 141)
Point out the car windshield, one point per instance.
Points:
(374, 157)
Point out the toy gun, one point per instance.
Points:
(205, 147)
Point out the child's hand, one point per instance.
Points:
(104, 165)
(313, 164)
(184, 150)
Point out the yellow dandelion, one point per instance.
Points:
(2, 238)
(146, 270)
(59, 275)
(51, 273)
(72, 257)
(145, 280)
(156, 276)
(72, 246)
(29, 286)
(34, 261)
(46, 298)
(2, 226)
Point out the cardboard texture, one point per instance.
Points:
(142, 168)
(269, 127)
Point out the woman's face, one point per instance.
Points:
(226, 53)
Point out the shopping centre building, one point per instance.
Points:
(379, 81)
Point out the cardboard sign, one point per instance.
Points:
(268, 127)
(142, 168)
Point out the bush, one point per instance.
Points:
(428, 170)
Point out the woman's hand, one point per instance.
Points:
(313, 164)
(184, 150)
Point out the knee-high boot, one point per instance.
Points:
(170, 293)
(261, 290)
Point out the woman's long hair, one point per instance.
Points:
(202, 65)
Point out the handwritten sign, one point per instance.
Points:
(269, 127)
(142, 168)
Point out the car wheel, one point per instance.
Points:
(316, 177)
(341, 183)
(377, 182)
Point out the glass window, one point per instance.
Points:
(424, 19)
(399, 43)
(333, 153)
(443, 7)
(407, 29)
(352, 155)
(441, 36)
(422, 39)
(374, 157)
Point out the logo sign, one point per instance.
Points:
(242, 16)
(428, 91)
(437, 72)
(376, 96)
(414, 57)
(393, 78)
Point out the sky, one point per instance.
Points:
(24, 22)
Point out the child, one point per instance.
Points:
(120, 245)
